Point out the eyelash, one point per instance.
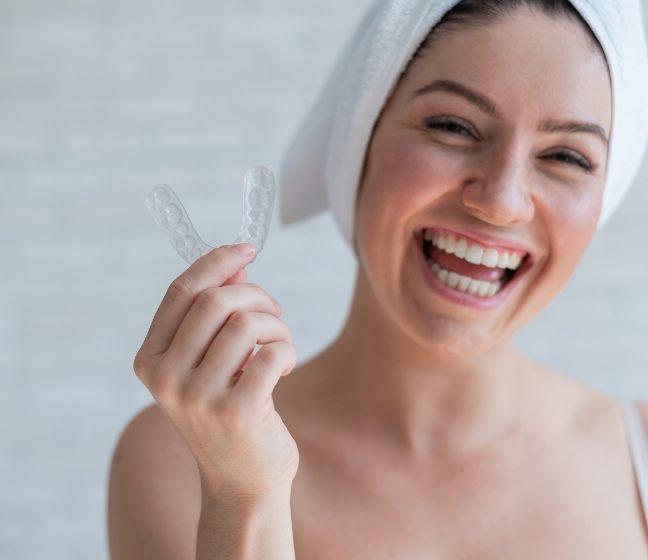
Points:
(448, 123)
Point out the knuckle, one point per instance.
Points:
(180, 290)
(221, 253)
(240, 322)
(262, 293)
(220, 258)
(211, 299)
(270, 354)
(287, 356)
(140, 366)
(256, 287)
(287, 333)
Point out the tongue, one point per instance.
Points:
(460, 266)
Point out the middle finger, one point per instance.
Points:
(207, 316)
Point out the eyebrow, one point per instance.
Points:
(487, 106)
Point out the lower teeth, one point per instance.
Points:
(465, 284)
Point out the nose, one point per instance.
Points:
(500, 194)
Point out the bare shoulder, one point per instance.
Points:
(154, 492)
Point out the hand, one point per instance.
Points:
(198, 362)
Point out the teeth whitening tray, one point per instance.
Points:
(258, 203)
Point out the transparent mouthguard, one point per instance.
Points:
(258, 204)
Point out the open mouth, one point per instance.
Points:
(456, 275)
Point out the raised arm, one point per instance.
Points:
(207, 473)
(156, 509)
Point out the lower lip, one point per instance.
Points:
(464, 298)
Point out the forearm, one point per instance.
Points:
(245, 531)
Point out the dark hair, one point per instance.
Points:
(475, 13)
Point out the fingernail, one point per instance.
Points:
(245, 249)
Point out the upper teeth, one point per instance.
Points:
(473, 252)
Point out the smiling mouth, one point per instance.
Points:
(467, 280)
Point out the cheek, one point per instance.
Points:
(570, 220)
(407, 171)
(574, 217)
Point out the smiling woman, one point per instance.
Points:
(469, 151)
(500, 181)
(469, 178)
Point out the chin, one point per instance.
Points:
(445, 335)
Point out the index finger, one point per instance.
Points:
(210, 270)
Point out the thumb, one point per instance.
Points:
(239, 278)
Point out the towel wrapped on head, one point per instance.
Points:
(322, 166)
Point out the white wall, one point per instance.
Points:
(100, 101)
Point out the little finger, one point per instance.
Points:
(262, 373)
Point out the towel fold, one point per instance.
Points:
(322, 165)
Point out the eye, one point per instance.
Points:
(573, 159)
(446, 123)
(454, 126)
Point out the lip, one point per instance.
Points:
(464, 298)
(484, 239)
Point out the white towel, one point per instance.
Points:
(322, 166)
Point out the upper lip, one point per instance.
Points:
(486, 239)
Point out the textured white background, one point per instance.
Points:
(101, 100)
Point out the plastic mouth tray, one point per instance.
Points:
(258, 203)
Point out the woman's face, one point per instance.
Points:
(498, 171)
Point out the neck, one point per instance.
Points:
(423, 398)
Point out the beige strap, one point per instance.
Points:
(638, 448)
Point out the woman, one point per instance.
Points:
(421, 431)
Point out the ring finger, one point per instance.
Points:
(207, 316)
(231, 349)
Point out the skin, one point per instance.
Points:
(452, 419)
(422, 431)
(444, 376)
(447, 369)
